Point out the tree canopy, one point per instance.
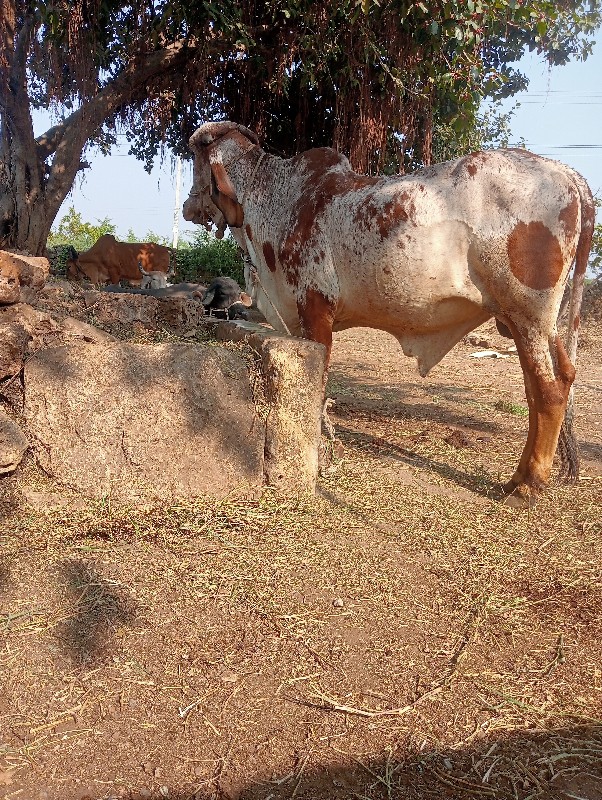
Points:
(378, 79)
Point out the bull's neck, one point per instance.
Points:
(261, 186)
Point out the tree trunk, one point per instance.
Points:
(24, 219)
(25, 215)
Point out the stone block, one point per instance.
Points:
(144, 422)
(292, 370)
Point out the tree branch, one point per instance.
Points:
(68, 139)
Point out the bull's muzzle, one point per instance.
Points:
(192, 208)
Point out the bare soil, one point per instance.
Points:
(401, 635)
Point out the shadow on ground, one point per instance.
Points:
(98, 606)
(476, 482)
(385, 400)
(560, 764)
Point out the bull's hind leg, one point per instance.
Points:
(548, 375)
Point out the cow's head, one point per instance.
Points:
(213, 199)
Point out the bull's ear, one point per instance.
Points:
(224, 196)
(207, 298)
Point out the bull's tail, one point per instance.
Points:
(567, 442)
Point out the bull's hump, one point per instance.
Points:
(330, 173)
(319, 159)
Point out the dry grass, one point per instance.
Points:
(400, 635)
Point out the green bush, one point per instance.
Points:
(205, 257)
(73, 230)
(57, 256)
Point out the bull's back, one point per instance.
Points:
(498, 221)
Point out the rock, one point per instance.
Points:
(45, 501)
(61, 285)
(23, 330)
(13, 348)
(41, 328)
(57, 290)
(10, 289)
(133, 422)
(76, 329)
(458, 439)
(33, 271)
(179, 313)
(122, 308)
(291, 371)
(478, 341)
(13, 444)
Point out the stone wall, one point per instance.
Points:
(108, 417)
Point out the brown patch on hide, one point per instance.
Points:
(400, 209)
(535, 256)
(388, 217)
(568, 217)
(249, 232)
(470, 164)
(326, 177)
(270, 256)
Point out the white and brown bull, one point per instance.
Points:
(427, 257)
(110, 261)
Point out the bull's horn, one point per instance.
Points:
(211, 131)
(208, 297)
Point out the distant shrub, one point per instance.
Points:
(204, 257)
(73, 230)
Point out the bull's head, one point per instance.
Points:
(155, 279)
(213, 198)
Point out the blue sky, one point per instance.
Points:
(560, 116)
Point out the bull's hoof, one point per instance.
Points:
(509, 487)
(521, 496)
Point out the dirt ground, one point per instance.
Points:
(401, 635)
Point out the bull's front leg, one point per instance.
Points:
(316, 313)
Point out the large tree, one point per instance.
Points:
(374, 78)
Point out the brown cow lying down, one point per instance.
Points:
(110, 261)
(427, 257)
